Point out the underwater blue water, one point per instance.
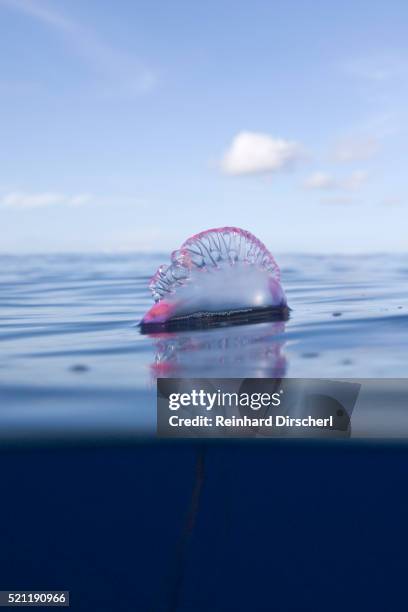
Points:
(74, 363)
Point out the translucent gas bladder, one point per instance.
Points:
(216, 275)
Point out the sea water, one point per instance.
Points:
(74, 364)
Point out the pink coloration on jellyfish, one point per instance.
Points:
(216, 274)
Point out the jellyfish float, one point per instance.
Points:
(218, 277)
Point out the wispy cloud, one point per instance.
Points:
(320, 180)
(355, 180)
(21, 199)
(339, 200)
(325, 181)
(356, 148)
(258, 153)
(378, 67)
(123, 73)
(392, 201)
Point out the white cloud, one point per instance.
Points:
(256, 153)
(21, 199)
(119, 72)
(320, 180)
(356, 149)
(80, 199)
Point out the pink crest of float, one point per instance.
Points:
(215, 275)
(212, 247)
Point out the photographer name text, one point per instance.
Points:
(235, 422)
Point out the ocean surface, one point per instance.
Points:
(74, 364)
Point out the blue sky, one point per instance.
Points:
(131, 125)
